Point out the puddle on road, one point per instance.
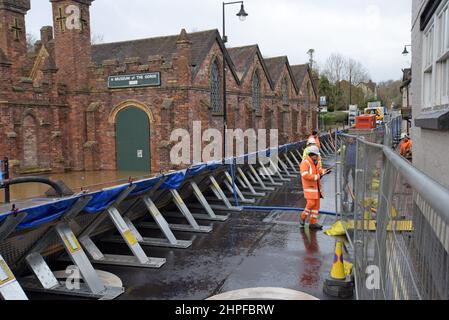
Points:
(92, 181)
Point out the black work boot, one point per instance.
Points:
(316, 227)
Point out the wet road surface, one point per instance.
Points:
(243, 252)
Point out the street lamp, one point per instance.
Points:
(405, 52)
(242, 16)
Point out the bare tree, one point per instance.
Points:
(334, 68)
(345, 74)
(31, 41)
(97, 39)
(339, 67)
(355, 72)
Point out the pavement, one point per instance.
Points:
(247, 251)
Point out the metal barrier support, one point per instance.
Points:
(246, 191)
(221, 196)
(327, 152)
(249, 185)
(211, 216)
(288, 171)
(299, 154)
(293, 169)
(10, 289)
(45, 280)
(170, 240)
(267, 175)
(139, 257)
(254, 175)
(278, 171)
(10, 224)
(193, 225)
(295, 159)
(228, 184)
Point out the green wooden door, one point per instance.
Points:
(133, 140)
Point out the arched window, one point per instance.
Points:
(215, 88)
(256, 92)
(285, 95)
(307, 96)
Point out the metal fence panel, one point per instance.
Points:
(396, 217)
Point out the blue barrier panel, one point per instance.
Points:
(40, 215)
(196, 170)
(174, 180)
(144, 186)
(103, 199)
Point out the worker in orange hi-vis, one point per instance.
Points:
(406, 147)
(311, 173)
(315, 137)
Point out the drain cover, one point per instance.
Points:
(264, 294)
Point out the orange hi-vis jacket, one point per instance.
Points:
(311, 179)
(406, 148)
(317, 141)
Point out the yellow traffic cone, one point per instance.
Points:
(338, 268)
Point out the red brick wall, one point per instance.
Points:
(14, 48)
(71, 109)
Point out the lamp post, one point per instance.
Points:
(405, 52)
(242, 16)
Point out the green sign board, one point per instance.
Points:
(152, 79)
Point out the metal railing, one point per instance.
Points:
(397, 219)
(393, 130)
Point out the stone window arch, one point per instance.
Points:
(130, 103)
(215, 88)
(256, 91)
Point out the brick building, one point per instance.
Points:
(61, 110)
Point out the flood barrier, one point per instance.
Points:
(68, 229)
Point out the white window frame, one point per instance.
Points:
(435, 77)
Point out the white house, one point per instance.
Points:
(430, 87)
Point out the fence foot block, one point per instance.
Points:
(110, 293)
(343, 289)
(153, 242)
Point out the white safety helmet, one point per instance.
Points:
(314, 150)
(311, 141)
(404, 135)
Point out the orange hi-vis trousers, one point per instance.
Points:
(313, 210)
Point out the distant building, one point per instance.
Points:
(406, 99)
(369, 89)
(430, 87)
(69, 105)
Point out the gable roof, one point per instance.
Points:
(166, 46)
(300, 71)
(276, 67)
(242, 58)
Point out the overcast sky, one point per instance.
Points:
(371, 31)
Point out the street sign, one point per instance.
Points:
(152, 79)
(374, 105)
(323, 101)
